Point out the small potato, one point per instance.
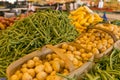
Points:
(49, 57)
(39, 68)
(14, 77)
(19, 74)
(75, 61)
(24, 65)
(100, 45)
(30, 64)
(54, 56)
(53, 73)
(31, 72)
(70, 56)
(65, 46)
(41, 75)
(103, 49)
(82, 50)
(37, 63)
(65, 72)
(24, 70)
(26, 76)
(89, 47)
(108, 45)
(95, 51)
(89, 55)
(48, 67)
(56, 66)
(36, 59)
(110, 41)
(80, 63)
(76, 52)
(71, 48)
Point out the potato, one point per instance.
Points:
(48, 67)
(24, 69)
(14, 77)
(65, 46)
(76, 52)
(39, 68)
(41, 75)
(31, 72)
(26, 76)
(36, 59)
(56, 65)
(30, 63)
(49, 57)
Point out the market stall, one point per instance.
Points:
(53, 44)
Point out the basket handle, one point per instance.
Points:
(60, 53)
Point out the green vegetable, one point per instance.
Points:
(116, 22)
(107, 68)
(33, 32)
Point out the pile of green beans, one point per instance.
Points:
(107, 68)
(33, 32)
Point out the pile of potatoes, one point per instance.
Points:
(111, 27)
(95, 41)
(47, 67)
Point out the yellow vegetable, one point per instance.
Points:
(24, 69)
(70, 56)
(91, 18)
(30, 64)
(95, 51)
(49, 57)
(24, 65)
(31, 72)
(56, 66)
(76, 52)
(35, 59)
(41, 75)
(39, 68)
(19, 74)
(14, 77)
(37, 63)
(53, 73)
(75, 61)
(26, 76)
(65, 72)
(83, 21)
(71, 48)
(48, 67)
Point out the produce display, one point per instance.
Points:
(31, 33)
(83, 17)
(95, 41)
(7, 22)
(48, 67)
(85, 36)
(107, 68)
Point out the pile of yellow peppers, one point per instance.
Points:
(83, 17)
